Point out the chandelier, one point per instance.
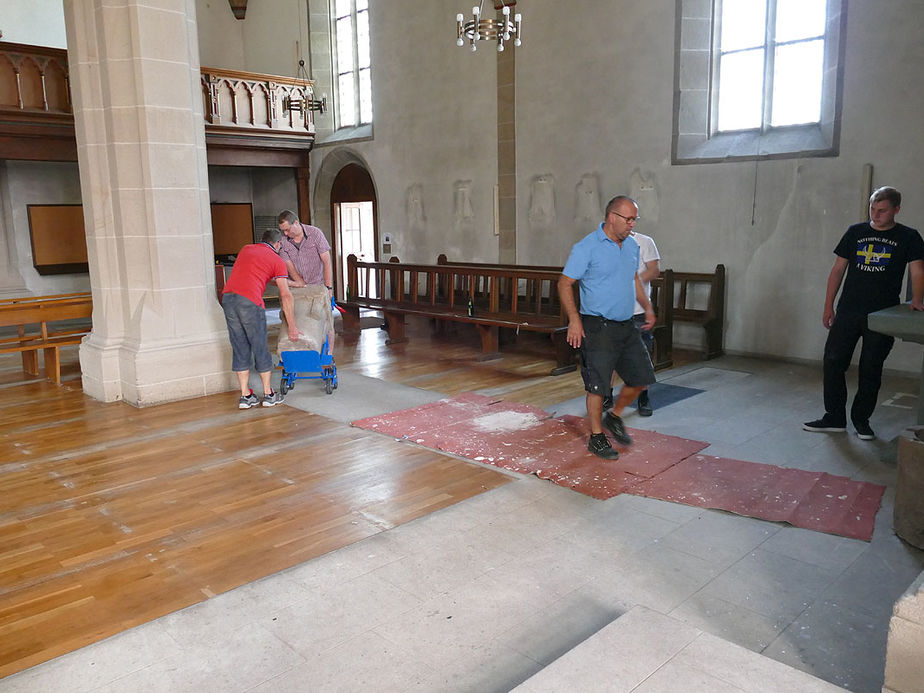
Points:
(304, 104)
(481, 28)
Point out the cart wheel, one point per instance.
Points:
(335, 382)
(328, 386)
(283, 387)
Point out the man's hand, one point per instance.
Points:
(827, 319)
(917, 305)
(575, 333)
(650, 320)
(294, 334)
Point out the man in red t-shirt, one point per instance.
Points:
(245, 313)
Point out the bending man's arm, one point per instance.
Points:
(834, 284)
(566, 296)
(294, 275)
(288, 306)
(328, 269)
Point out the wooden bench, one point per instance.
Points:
(706, 291)
(35, 318)
(518, 299)
(662, 300)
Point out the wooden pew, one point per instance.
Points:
(515, 298)
(662, 300)
(35, 318)
(710, 315)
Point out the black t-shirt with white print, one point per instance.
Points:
(876, 265)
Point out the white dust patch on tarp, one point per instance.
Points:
(504, 421)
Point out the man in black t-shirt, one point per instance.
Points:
(873, 255)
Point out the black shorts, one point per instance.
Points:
(613, 345)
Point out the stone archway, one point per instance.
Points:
(342, 167)
(330, 166)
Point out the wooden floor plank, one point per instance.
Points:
(111, 516)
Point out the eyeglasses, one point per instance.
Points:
(629, 220)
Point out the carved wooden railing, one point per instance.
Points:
(37, 119)
(33, 79)
(250, 101)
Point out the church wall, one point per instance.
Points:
(269, 40)
(433, 155)
(773, 224)
(270, 190)
(34, 183)
(36, 22)
(221, 36)
(594, 104)
(274, 189)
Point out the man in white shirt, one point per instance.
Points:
(649, 267)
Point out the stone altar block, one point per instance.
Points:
(908, 514)
(905, 324)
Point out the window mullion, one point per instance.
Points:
(356, 90)
(769, 58)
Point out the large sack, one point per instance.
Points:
(313, 319)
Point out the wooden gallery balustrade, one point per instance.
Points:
(241, 104)
(245, 112)
(36, 118)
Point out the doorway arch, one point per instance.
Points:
(344, 179)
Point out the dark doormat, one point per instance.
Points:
(663, 394)
(660, 395)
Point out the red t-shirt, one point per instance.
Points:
(256, 266)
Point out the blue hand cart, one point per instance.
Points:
(309, 365)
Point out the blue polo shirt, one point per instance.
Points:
(606, 273)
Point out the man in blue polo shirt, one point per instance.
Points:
(606, 263)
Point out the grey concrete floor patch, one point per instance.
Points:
(708, 378)
(356, 397)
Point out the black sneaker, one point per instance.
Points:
(644, 405)
(248, 401)
(826, 424)
(272, 399)
(864, 432)
(615, 426)
(600, 446)
(608, 401)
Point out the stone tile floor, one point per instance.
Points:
(482, 595)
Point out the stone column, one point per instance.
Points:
(158, 330)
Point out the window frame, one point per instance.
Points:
(769, 47)
(695, 135)
(356, 107)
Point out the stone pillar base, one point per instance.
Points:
(156, 374)
(904, 669)
(908, 514)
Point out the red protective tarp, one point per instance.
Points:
(528, 440)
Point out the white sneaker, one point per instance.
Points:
(272, 399)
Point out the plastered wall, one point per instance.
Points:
(594, 106)
(594, 113)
